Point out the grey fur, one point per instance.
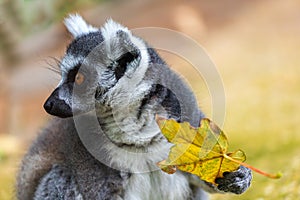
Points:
(59, 166)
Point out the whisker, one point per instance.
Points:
(54, 65)
(53, 69)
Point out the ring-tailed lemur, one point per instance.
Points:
(125, 82)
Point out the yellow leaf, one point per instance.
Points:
(199, 151)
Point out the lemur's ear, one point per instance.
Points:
(111, 29)
(77, 26)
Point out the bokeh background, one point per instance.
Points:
(254, 44)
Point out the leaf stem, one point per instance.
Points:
(275, 176)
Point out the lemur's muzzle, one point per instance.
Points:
(56, 106)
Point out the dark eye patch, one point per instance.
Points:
(122, 64)
(72, 74)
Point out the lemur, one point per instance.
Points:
(115, 77)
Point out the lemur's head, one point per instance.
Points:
(116, 74)
(102, 66)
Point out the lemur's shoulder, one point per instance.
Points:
(46, 150)
(58, 152)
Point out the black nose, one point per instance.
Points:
(48, 106)
(56, 106)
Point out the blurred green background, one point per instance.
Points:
(254, 44)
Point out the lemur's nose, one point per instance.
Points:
(55, 106)
(48, 106)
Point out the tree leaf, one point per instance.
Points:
(201, 151)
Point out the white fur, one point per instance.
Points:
(69, 62)
(147, 182)
(156, 185)
(110, 28)
(77, 26)
(109, 33)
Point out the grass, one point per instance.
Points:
(261, 77)
(9, 161)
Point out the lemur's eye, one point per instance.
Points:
(79, 78)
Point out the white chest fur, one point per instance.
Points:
(146, 181)
(156, 185)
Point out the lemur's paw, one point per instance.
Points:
(236, 182)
